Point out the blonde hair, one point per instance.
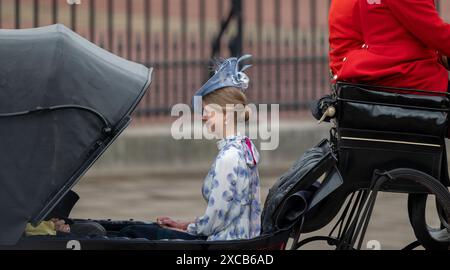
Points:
(229, 96)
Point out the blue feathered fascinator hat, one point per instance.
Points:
(227, 74)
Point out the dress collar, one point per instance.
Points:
(223, 142)
(251, 154)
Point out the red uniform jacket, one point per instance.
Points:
(402, 42)
(345, 31)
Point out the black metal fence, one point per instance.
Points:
(288, 38)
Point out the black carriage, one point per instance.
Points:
(385, 140)
(64, 101)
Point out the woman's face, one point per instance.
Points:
(214, 119)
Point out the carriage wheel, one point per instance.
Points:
(330, 241)
(430, 238)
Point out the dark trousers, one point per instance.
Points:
(156, 232)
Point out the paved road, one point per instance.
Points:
(145, 198)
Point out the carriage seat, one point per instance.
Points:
(382, 128)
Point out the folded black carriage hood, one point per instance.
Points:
(63, 101)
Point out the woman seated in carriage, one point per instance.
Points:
(231, 188)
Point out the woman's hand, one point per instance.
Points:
(60, 225)
(172, 224)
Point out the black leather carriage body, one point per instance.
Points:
(385, 129)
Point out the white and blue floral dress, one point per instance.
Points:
(232, 191)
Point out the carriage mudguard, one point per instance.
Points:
(299, 184)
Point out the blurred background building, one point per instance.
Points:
(288, 38)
